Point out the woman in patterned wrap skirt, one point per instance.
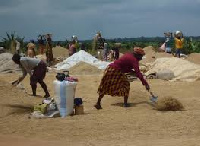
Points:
(114, 81)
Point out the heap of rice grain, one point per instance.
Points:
(83, 68)
(169, 104)
(184, 71)
(60, 52)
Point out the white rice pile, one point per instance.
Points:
(183, 69)
(84, 57)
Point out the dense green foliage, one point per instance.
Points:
(9, 42)
(126, 43)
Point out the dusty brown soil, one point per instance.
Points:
(139, 124)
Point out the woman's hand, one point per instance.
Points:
(147, 87)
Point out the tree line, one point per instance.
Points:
(190, 46)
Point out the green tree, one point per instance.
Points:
(9, 42)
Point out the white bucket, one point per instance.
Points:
(64, 96)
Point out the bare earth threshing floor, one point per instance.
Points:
(139, 124)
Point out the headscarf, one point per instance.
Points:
(138, 50)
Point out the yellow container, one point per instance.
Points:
(41, 107)
(79, 110)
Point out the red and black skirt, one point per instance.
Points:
(114, 83)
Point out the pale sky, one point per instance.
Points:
(83, 18)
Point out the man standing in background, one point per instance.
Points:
(49, 51)
(100, 46)
(41, 44)
(168, 42)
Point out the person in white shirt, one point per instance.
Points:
(36, 68)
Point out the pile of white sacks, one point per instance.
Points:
(81, 56)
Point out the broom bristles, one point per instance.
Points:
(169, 104)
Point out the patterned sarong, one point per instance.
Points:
(114, 83)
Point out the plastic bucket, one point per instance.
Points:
(64, 92)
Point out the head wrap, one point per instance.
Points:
(138, 50)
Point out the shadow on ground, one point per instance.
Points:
(19, 109)
(121, 104)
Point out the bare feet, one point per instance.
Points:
(46, 95)
(126, 105)
(33, 95)
(97, 106)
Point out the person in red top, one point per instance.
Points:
(114, 81)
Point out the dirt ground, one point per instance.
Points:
(138, 125)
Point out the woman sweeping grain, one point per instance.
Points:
(115, 82)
